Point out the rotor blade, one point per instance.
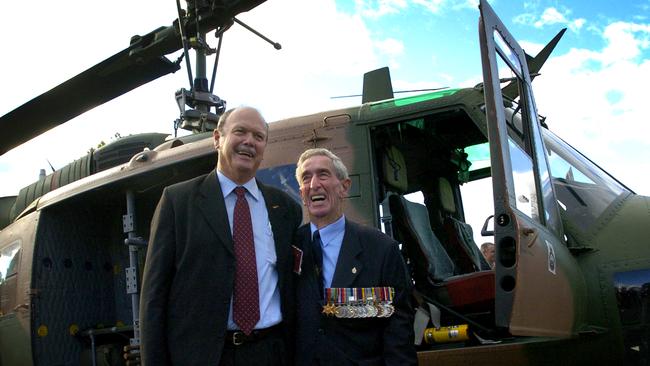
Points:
(107, 80)
(140, 63)
(534, 65)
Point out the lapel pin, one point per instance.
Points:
(354, 269)
(275, 206)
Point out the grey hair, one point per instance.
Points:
(339, 168)
(485, 245)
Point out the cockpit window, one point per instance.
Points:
(9, 257)
(583, 190)
(479, 156)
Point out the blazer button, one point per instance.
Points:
(321, 331)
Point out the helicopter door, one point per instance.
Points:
(537, 283)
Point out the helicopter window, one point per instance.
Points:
(523, 173)
(479, 159)
(282, 177)
(417, 123)
(583, 190)
(551, 215)
(507, 53)
(9, 258)
(533, 193)
(524, 181)
(477, 198)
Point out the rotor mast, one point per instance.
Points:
(200, 98)
(199, 118)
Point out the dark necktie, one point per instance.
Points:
(246, 307)
(317, 248)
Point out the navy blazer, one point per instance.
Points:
(368, 258)
(189, 273)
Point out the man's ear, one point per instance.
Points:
(346, 183)
(215, 136)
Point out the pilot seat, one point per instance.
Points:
(465, 286)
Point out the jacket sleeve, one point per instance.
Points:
(398, 337)
(157, 279)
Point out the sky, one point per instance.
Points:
(592, 90)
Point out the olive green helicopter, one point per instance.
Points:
(570, 284)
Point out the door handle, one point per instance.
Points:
(531, 234)
(21, 307)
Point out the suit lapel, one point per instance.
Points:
(349, 263)
(213, 208)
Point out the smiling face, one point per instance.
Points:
(241, 143)
(322, 191)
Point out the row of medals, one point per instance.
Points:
(359, 302)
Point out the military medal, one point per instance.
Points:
(342, 310)
(371, 310)
(387, 294)
(359, 302)
(376, 296)
(359, 306)
(349, 311)
(329, 309)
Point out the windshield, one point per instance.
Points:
(584, 191)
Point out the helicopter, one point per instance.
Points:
(562, 290)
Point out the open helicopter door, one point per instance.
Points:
(539, 289)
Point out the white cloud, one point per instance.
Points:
(525, 18)
(403, 85)
(550, 16)
(376, 9)
(576, 24)
(466, 4)
(390, 46)
(531, 48)
(434, 6)
(625, 41)
(594, 99)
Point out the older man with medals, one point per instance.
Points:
(353, 291)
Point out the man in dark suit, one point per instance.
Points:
(353, 293)
(217, 286)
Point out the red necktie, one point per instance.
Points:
(246, 307)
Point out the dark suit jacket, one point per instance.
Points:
(365, 341)
(190, 268)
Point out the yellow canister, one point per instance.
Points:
(453, 333)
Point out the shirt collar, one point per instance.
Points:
(227, 186)
(330, 231)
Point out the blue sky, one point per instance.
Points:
(592, 90)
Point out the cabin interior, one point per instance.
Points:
(423, 162)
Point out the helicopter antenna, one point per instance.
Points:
(396, 92)
(276, 45)
(181, 15)
(50, 164)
